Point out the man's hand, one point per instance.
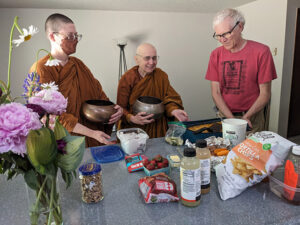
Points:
(115, 117)
(180, 115)
(248, 121)
(101, 137)
(96, 134)
(142, 118)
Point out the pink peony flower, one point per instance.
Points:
(16, 120)
(52, 101)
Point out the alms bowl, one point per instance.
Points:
(98, 110)
(150, 105)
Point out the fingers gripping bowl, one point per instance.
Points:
(150, 105)
(98, 110)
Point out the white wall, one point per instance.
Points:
(265, 23)
(183, 40)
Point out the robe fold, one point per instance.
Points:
(156, 84)
(76, 82)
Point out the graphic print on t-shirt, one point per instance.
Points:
(232, 76)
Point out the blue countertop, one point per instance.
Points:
(124, 205)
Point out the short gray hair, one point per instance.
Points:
(232, 13)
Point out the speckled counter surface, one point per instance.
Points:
(123, 204)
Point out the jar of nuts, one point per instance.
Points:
(91, 182)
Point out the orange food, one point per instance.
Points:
(221, 151)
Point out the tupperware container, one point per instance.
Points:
(283, 191)
(133, 140)
(107, 153)
(165, 170)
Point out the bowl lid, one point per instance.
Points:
(107, 153)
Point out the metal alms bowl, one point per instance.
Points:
(98, 110)
(150, 105)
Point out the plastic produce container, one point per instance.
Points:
(283, 191)
(133, 140)
(165, 170)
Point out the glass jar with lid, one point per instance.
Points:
(91, 182)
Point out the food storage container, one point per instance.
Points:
(133, 140)
(279, 188)
(165, 170)
(91, 182)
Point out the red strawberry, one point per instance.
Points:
(160, 165)
(153, 162)
(158, 158)
(165, 164)
(150, 166)
(165, 161)
(146, 163)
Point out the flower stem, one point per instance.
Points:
(51, 200)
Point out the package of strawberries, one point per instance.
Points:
(156, 165)
(158, 188)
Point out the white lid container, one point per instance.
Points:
(133, 140)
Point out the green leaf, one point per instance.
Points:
(75, 149)
(59, 131)
(31, 180)
(41, 148)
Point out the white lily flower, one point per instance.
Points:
(52, 62)
(50, 86)
(26, 36)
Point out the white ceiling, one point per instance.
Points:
(200, 6)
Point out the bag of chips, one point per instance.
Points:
(249, 162)
(158, 188)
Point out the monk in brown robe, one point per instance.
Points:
(147, 80)
(75, 81)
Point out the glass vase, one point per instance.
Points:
(43, 200)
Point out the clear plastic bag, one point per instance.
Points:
(174, 133)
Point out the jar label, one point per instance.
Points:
(205, 171)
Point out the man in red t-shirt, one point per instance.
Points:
(240, 71)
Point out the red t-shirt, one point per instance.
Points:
(240, 73)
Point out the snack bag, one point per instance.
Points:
(249, 162)
(174, 133)
(135, 162)
(158, 188)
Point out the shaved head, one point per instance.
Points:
(55, 21)
(142, 49)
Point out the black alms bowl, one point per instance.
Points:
(98, 110)
(150, 105)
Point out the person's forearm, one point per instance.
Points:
(258, 105)
(220, 103)
(261, 101)
(83, 130)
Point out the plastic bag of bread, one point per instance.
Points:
(158, 188)
(249, 162)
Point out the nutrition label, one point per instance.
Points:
(191, 184)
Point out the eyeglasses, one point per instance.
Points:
(147, 58)
(225, 35)
(71, 36)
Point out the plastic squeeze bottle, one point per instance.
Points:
(203, 154)
(190, 178)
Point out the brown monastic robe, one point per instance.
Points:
(132, 85)
(76, 82)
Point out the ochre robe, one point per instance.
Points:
(76, 82)
(132, 85)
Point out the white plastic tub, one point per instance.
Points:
(133, 140)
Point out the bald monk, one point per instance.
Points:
(147, 80)
(75, 81)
